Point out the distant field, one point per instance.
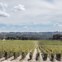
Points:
(47, 46)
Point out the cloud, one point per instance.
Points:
(38, 11)
(21, 28)
(3, 6)
(44, 12)
(4, 14)
(19, 7)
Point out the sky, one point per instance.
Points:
(30, 15)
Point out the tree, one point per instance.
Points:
(57, 37)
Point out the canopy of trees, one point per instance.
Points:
(31, 36)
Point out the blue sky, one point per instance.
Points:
(30, 15)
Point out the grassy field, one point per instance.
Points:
(50, 46)
(46, 46)
(16, 45)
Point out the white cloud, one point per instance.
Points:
(19, 7)
(37, 12)
(3, 6)
(4, 14)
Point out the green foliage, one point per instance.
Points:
(20, 46)
(16, 45)
(50, 46)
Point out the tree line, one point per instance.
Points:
(24, 37)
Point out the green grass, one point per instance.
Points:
(16, 45)
(47, 46)
(50, 42)
(50, 46)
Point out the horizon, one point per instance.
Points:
(33, 32)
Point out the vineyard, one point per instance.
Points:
(50, 46)
(29, 49)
